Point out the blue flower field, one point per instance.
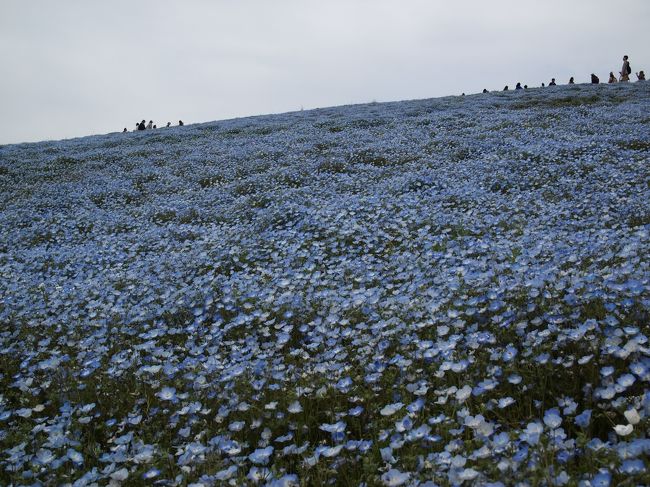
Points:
(426, 293)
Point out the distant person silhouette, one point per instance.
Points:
(594, 79)
(124, 130)
(485, 90)
(155, 127)
(169, 123)
(552, 83)
(141, 126)
(505, 88)
(543, 85)
(180, 123)
(612, 78)
(150, 124)
(525, 87)
(640, 76)
(518, 87)
(626, 70)
(571, 82)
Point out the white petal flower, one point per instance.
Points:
(463, 393)
(623, 430)
(632, 416)
(395, 478)
(391, 409)
(294, 408)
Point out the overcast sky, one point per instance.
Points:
(78, 67)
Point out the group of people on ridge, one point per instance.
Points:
(145, 126)
(625, 73)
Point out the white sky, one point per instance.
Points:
(79, 67)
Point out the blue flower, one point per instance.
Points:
(261, 455)
(583, 419)
(632, 467)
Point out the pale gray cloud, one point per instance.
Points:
(78, 67)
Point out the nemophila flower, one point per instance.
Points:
(120, 475)
(602, 479)
(606, 393)
(344, 384)
(510, 353)
(236, 426)
(338, 427)
(415, 406)
(504, 402)
(532, 433)
(632, 467)
(394, 478)
(288, 480)
(562, 479)
(356, 411)
(261, 455)
(294, 408)
(330, 452)
(569, 405)
(403, 424)
(463, 393)
(521, 454)
(257, 474)
(468, 474)
(623, 430)
(607, 371)
(151, 474)
(419, 433)
(74, 456)
(596, 444)
(24, 412)
(626, 380)
(583, 419)
(514, 379)
(284, 438)
(391, 409)
(501, 440)
(640, 369)
(44, 456)
(230, 448)
(167, 394)
(632, 416)
(387, 455)
(585, 359)
(552, 418)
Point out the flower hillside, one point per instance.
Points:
(433, 292)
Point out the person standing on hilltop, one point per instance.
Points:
(552, 83)
(141, 126)
(594, 79)
(626, 70)
(640, 75)
(612, 78)
(571, 82)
